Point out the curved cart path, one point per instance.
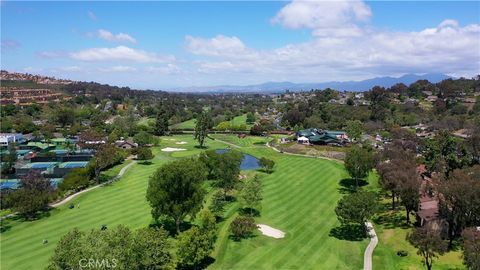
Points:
(367, 257)
(71, 197)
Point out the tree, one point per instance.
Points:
(106, 156)
(354, 129)
(69, 251)
(228, 169)
(8, 161)
(471, 248)
(201, 127)
(379, 103)
(358, 162)
(242, 227)
(161, 123)
(251, 193)
(356, 208)
(64, 116)
(428, 242)
(473, 145)
(398, 175)
(250, 118)
(143, 138)
(444, 154)
(218, 203)
(409, 191)
(152, 249)
(195, 244)
(119, 248)
(459, 204)
(175, 189)
(267, 164)
(76, 179)
(144, 153)
(193, 248)
(34, 194)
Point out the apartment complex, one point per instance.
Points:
(23, 97)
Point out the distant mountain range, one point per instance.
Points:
(275, 87)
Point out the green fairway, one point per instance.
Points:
(147, 121)
(249, 141)
(122, 202)
(241, 119)
(189, 124)
(299, 199)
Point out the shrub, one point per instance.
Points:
(242, 227)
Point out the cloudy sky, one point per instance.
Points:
(161, 45)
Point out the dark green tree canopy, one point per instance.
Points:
(357, 207)
(176, 190)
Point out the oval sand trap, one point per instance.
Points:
(172, 149)
(181, 143)
(269, 231)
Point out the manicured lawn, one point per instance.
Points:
(249, 141)
(122, 202)
(241, 119)
(147, 121)
(392, 232)
(189, 124)
(299, 199)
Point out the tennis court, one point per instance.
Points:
(9, 184)
(41, 165)
(74, 164)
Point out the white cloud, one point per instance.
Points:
(446, 48)
(326, 18)
(92, 15)
(120, 53)
(120, 37)
(169, 69)
(218, 46)
(118, 69)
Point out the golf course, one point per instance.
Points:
(299, 198)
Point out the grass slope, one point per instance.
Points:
(299, 199)
(122, 202)
(189, 124)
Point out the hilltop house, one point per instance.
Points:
(322, 137)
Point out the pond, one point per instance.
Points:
(249, 162)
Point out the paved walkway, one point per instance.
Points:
(71, 197)
(367, 257)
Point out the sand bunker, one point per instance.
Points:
(172, 149)
(181, 143)
(269, 231)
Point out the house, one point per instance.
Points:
(318, 136)
(8, 138)
(126, 144)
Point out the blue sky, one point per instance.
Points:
(174, 44)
